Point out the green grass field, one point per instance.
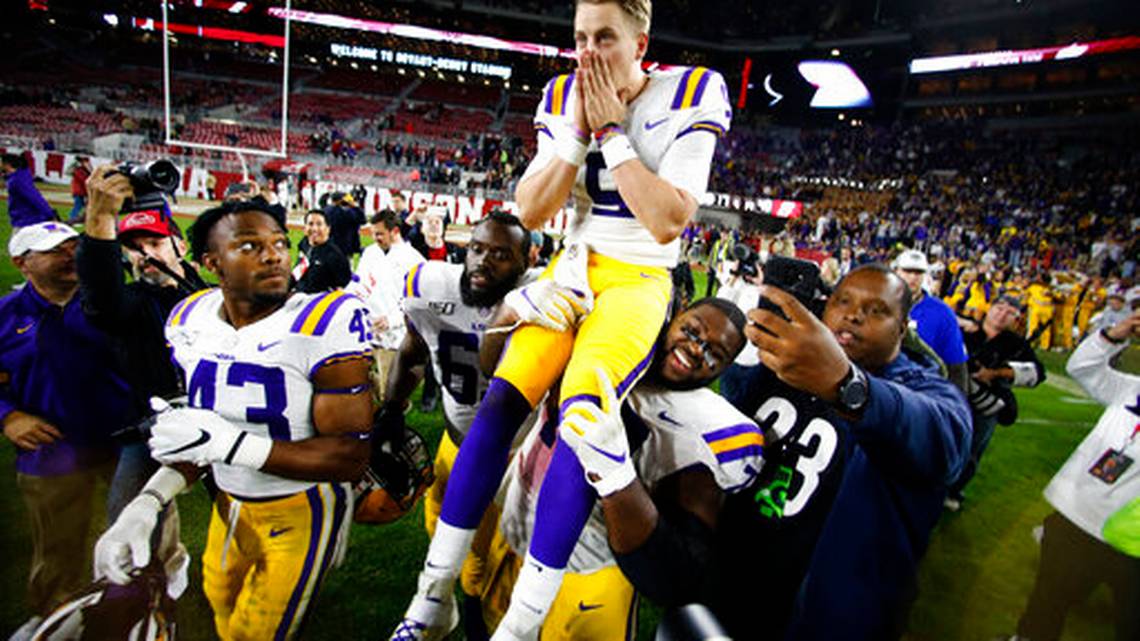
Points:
(974, 580)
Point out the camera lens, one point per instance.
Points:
(163, 175)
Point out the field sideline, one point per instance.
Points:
(974, 581)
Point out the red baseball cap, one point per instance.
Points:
(150, 221)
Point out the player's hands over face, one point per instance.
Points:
(1128, 327)
(802, 351)
(603, 101)
(28, 431)
(106, 191)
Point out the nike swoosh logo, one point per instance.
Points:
(203, 436)
(273, 532)
(21, 330)
(655, 124)
(261, 347)
(665, 417)
(613, 457)
(586, 608)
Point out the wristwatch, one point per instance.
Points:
(854, 391)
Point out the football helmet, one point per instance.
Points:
(397, 476)
(139, 611)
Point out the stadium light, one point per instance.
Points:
(419, 33)
(939, 64)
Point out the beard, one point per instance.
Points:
(487, 297)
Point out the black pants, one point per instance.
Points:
(1073, 563)
(983, 432)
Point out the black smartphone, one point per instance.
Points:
(798, 277)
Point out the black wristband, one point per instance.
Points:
(156, 496)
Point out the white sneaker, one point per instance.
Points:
(432, 614)
(25, 632)
(952, 504)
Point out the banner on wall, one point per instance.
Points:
(462, 209)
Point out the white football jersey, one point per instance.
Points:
(453, 333)
(677, 430)
(259, 377)
(668, 125)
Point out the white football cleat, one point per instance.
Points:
(432, 614)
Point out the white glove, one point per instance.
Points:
(125, 545)
(597, 436)
(545, 304)
(202, 437)
(572, 272)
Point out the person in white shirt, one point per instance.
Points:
(379, 282)
(1093, 537)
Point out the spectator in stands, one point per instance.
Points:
(1093, 537)
(321, 266)
(934, 321)
(80, 172)
(26, 205)
(379, 281)
(999, 360)
(61, 397)
(345, 220)
(134, 315)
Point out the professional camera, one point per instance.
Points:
(747, 261)
(150, 181)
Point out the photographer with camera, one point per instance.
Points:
(742, 287)
(129, 221)
(1000, 359)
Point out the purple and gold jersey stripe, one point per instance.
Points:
(340, 358)
(736, 442)
(315, 318)
(182, 310)
(412, 282)
(543, 129)
(558, 95)
(691, 88)
(704, 125)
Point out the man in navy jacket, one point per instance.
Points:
(862, 441)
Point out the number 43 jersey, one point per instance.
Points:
(259, 377)
(453, 333)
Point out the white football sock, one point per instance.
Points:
(533, 594)
(447, 550)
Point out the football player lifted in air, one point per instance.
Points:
(280, 409)
(634, 150)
